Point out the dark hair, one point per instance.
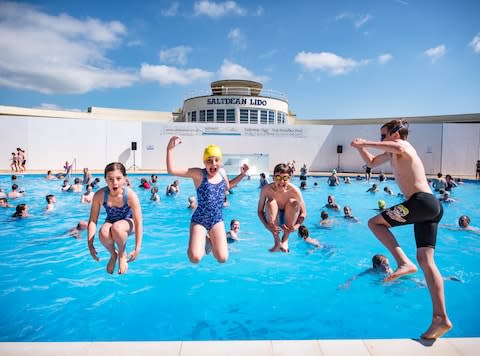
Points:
(14, 186)
(400, 126)
(77, 180)
(4, 199)
(324, 214)
(303, 231)
(280, 169)
(115, 166)
(233, 222)
(48, 197)
(378, 260)
(20, 208)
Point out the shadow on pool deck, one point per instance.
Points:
(373, 347)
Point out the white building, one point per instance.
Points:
(246, 121)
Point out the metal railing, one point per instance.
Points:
(236, 91)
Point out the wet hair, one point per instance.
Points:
(439, 175)
(464, 217)
(262, 175)
(14, 177)
(14, 186)
(303, 231)
(281, 168)
(49, 197)
(400, 126)
(324, 214)
(233, 222)
(4, 199)
(378, 260)
(154, 189)
(115, 166)
(76, 180)
(20, 208)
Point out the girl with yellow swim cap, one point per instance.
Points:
(206, 226)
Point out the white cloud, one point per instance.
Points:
(172, 10)
(230, 70)
(166, 75)
(237, 38)
(57, 54)
(362, 20)
(175, 55)
(214, 9)
(384, 58)
(259, 11)
(475, 43)
(357, 19)
(328, 62)
(436, 52)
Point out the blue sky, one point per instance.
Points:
(333, 59)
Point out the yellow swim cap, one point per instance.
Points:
(381, 204)
(212, 151)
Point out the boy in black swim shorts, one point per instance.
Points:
(421, 209)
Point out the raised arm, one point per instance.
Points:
(389, 148)
(171, 169)
(243, 172)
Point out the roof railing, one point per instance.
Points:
(239, 91)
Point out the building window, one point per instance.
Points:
(220, 115)
(280, 117)
(243, 116)
(202, 116)
(263, 117)
(194, 116)
(210, 115)
(271, 117)
(254, 116)
(231, 116)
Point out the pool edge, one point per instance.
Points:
(367, 347)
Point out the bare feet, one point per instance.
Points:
(439, 327)
(407, 268)
(111, 263)
(284, 247)
(275, 248)
(122, 264)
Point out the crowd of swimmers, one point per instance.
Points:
(281, 209)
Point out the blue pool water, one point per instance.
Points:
(52, 290)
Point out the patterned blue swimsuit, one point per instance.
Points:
(115, 213)
(210, 202)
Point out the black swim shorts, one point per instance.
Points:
(424, 211)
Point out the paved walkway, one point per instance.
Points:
(382, 347)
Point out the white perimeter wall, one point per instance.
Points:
(49, 142)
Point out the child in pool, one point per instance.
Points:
(211, 184)
(124, 216)
(281, 207)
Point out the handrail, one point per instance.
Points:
(236, 91)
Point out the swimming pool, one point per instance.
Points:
(51, 289)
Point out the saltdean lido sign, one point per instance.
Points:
(236, 101)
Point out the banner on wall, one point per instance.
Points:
(260, 131)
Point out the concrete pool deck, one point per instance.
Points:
(370, 347)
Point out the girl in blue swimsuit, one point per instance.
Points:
(211, 184)
(124, 216)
